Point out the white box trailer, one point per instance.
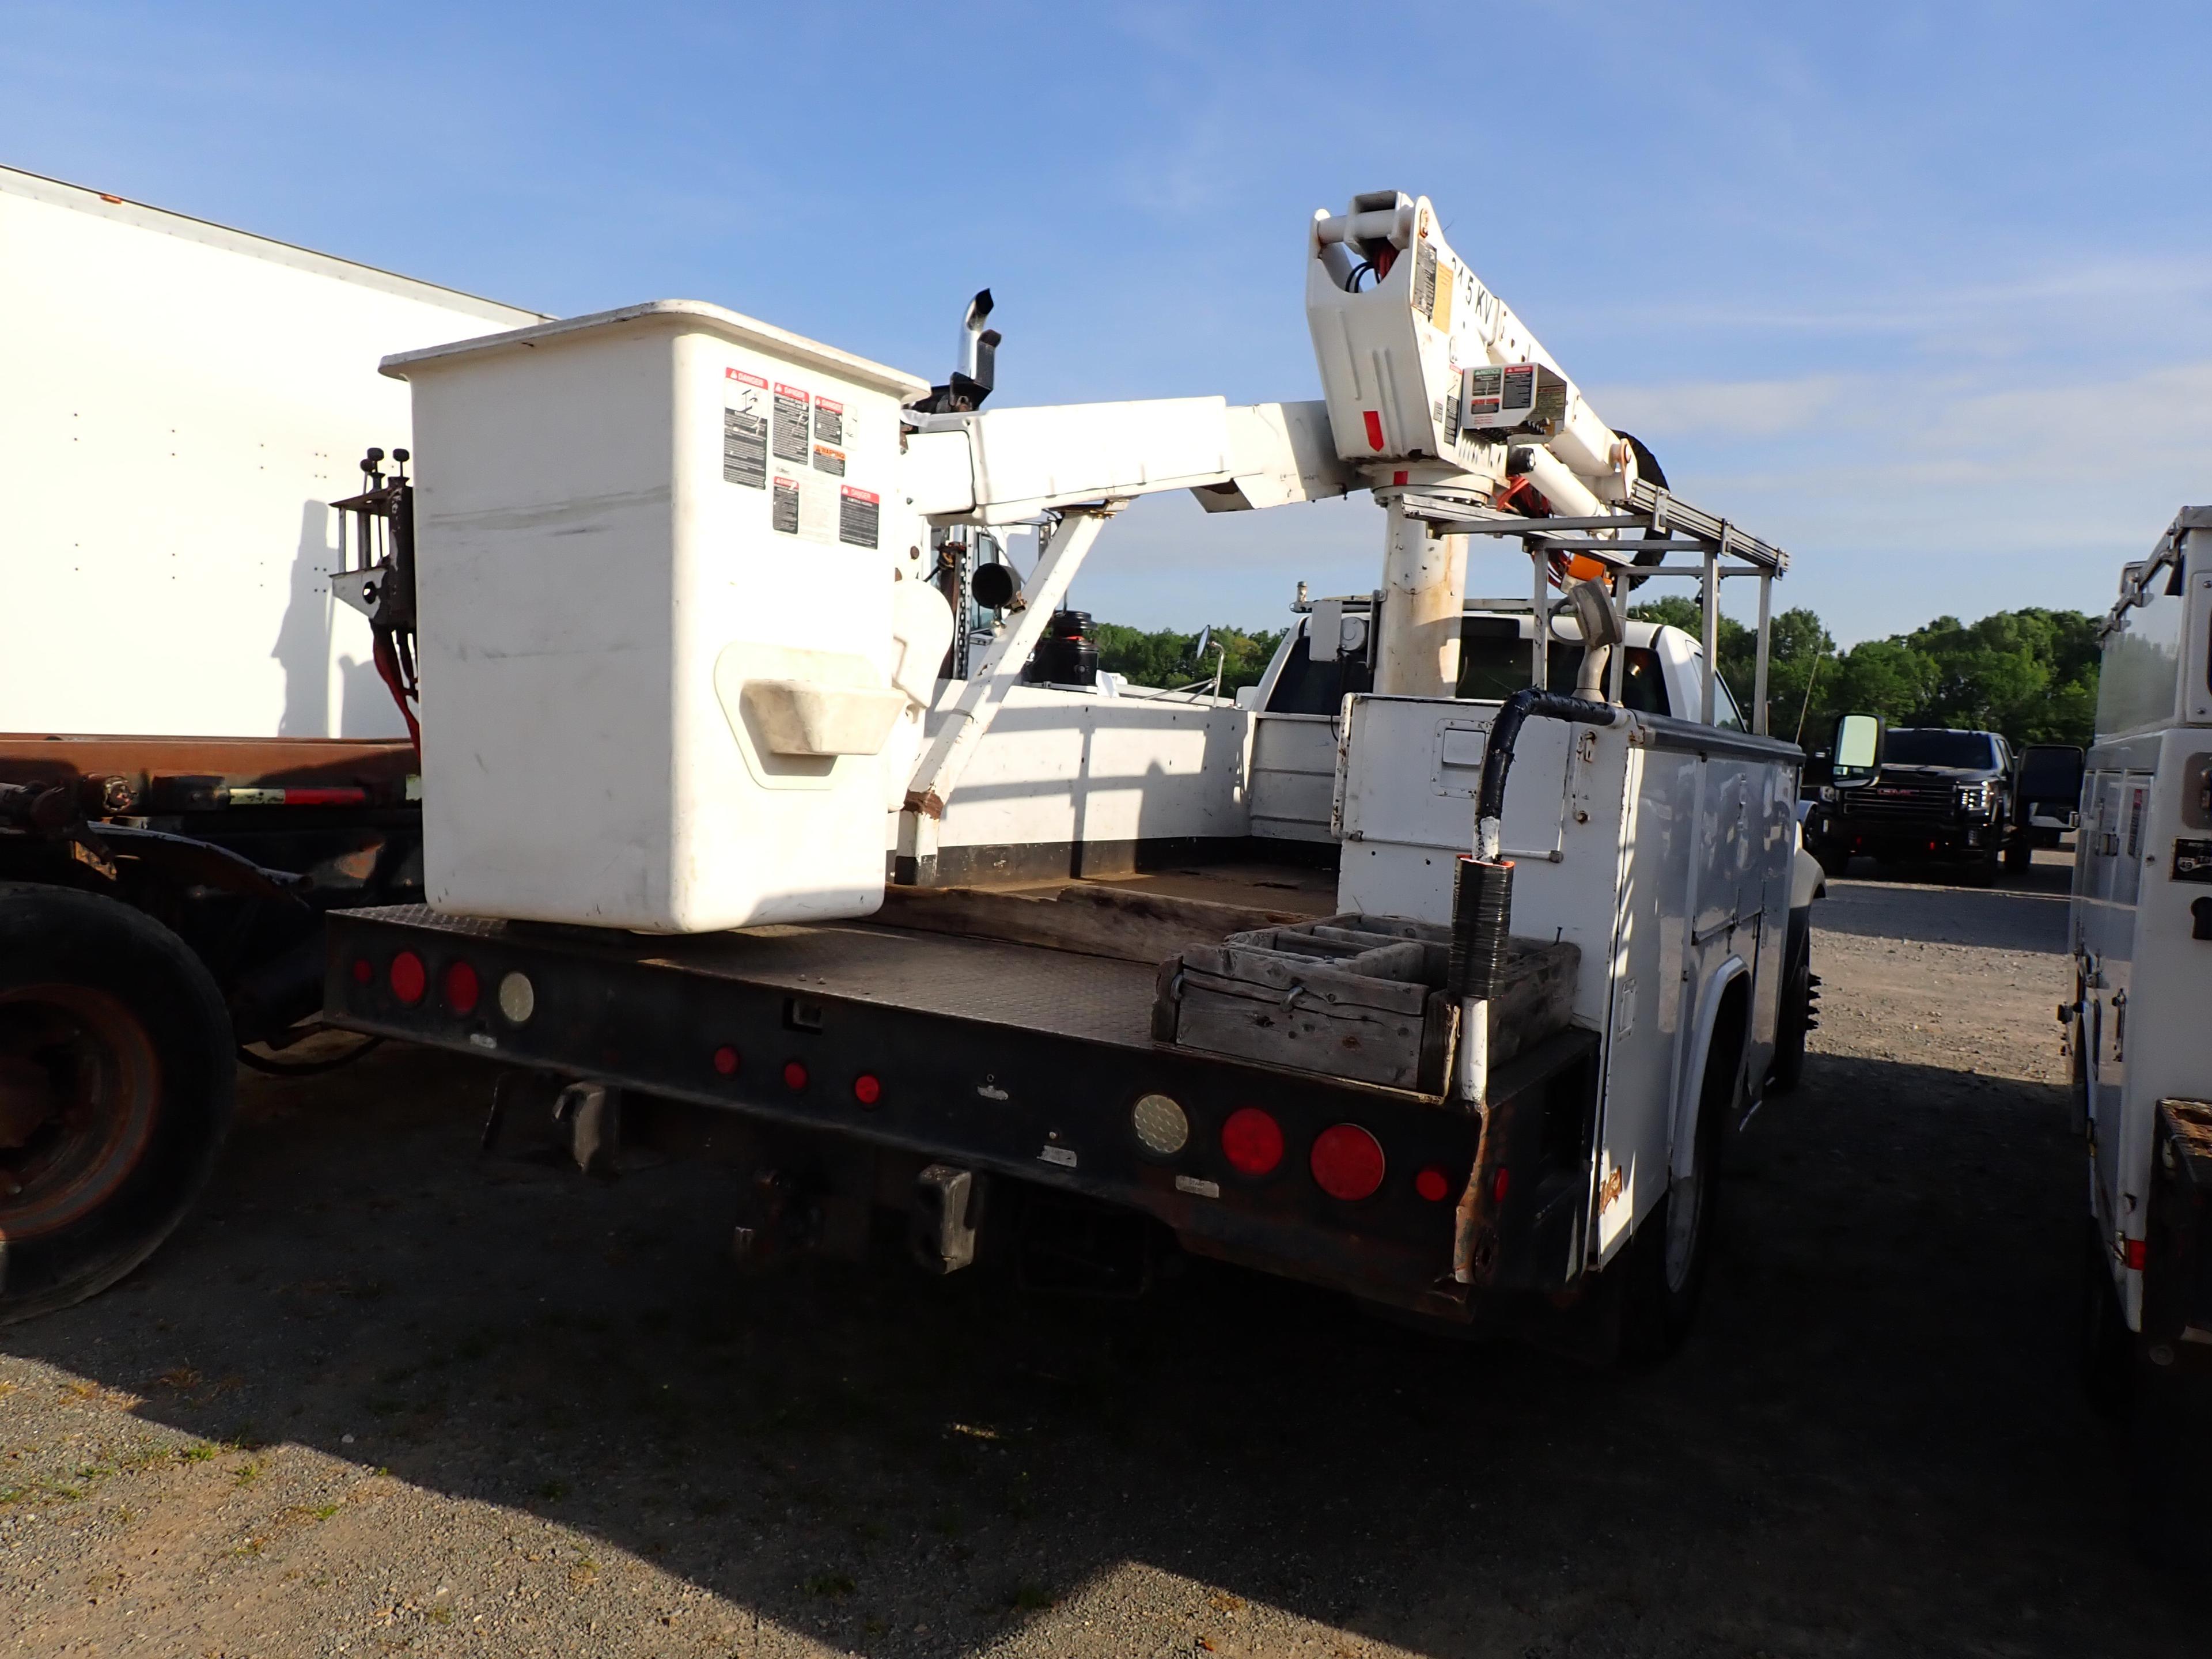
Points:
(178, 403)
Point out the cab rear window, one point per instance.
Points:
(1493, 664)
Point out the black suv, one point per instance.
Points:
(1941, 795)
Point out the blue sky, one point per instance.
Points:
(1924, 293)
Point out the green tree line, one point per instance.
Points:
(2031, 674)
(1165, 658)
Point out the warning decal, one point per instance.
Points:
(859, 515)
(1424, 280)
(791, 433)
(783, 509)
(829, 421)
(829, 460)
(745, 449)
(743, 379)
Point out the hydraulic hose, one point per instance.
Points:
(1482, 913)
(1497, 752)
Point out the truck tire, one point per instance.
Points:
(2106, 1348)
(117, 1079)
(2019, 854)
(1795, 1018)
(1671, 1251)
(2169, 1467)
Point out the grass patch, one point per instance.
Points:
(198, 1452)
(245, 1474)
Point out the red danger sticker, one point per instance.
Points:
(743, 379)
(853, 495)
(824, 403)
(783, 390)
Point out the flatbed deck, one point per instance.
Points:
(1008, 1032)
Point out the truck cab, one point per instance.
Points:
(1298, 700)
(1943, 795)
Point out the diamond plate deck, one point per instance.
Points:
(1022, 986)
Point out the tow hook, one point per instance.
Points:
(948, 1205)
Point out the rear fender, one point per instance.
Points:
(1690, 1086)
(1808, 880)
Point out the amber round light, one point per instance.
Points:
(1162, 1126)
(1252, 1141)
(518, 999)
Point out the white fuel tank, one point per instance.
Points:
(655, 565)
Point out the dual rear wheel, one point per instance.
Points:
(116, 1081)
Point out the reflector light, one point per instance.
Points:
(407, 978)
(1251, 1141)
(461, 987)
(868, 1089)
(363, 970)
(794, 1075)
(1346, 1162)
(1433, 1184)
(518, 999)
(1498, 1184)
(2137, 1253)
(726, 1060)
(1161, 1125)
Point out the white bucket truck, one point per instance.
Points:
(691, 783)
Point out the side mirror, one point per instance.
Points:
(1203, 644)
(1856, 750)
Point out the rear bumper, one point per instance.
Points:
(1037, 1106)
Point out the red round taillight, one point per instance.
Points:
(1347, 1162)
(726, 1060)
(408, 978)
(867, 1089)
(1500, 1184)
(461, 987)
(363, 970)
(794, 1075)
(1433, 1184)
(1252, 1141)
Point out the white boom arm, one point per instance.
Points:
(1005, 466)
(1430, 380)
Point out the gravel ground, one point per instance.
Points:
(377, 1396)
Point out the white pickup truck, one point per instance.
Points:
(2138, 1031)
